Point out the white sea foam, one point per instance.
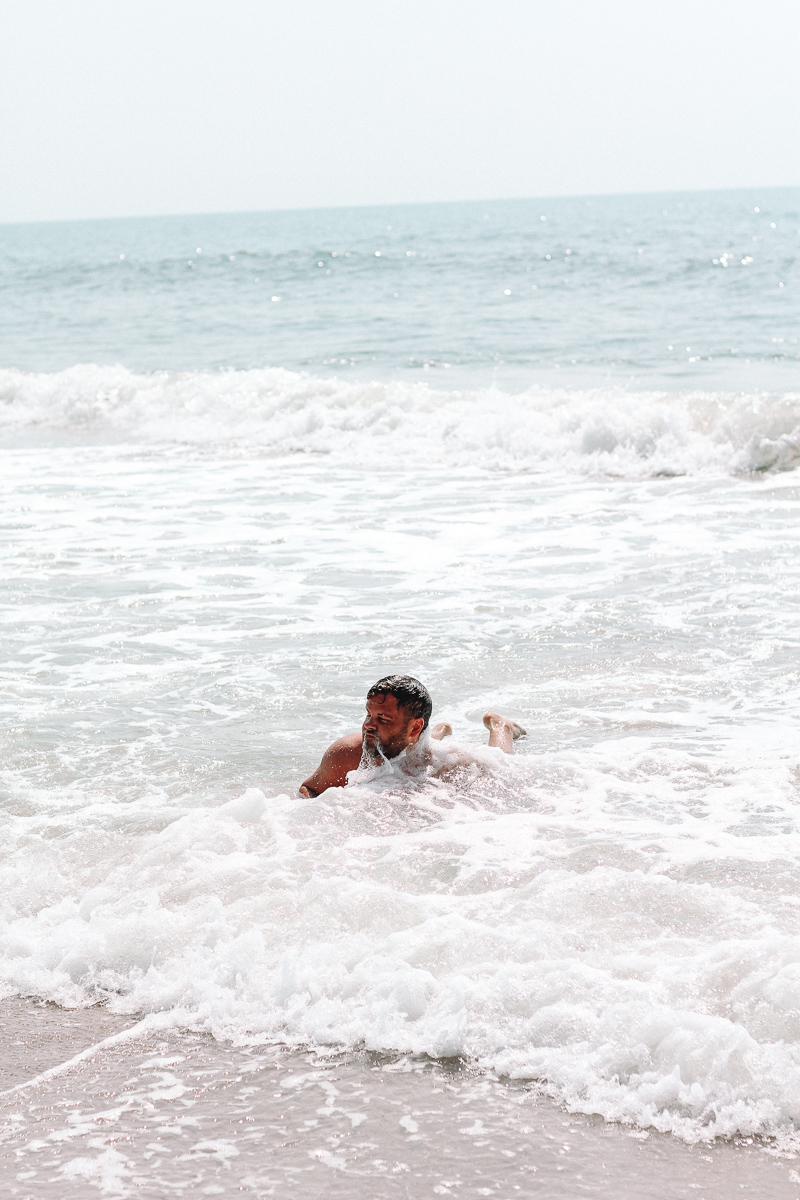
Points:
(554, 930)
(599, 431)
(613, 913)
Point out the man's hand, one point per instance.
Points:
(342, 756)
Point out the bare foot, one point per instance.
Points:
(492, 720)
(442, 730)
(503, 732)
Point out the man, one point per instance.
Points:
(395, 733)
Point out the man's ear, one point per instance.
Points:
(415, 727)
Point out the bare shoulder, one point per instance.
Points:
(342, 756)
(345, 745)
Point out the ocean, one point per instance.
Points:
(541, 455)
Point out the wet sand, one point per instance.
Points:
(181, 1114)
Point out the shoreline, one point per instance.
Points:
(260, 1119)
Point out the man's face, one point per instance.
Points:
(388, 726)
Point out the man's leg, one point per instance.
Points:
(442, 730)
(503, 732)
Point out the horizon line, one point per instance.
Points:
(230, 212)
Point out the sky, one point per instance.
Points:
(136, 107)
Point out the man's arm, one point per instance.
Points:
(342, 756)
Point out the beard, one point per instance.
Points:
(375, 754)
(371, 753)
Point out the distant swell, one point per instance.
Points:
(605, 431)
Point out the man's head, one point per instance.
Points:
(398, 710)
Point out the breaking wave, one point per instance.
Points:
(643, 996)
(604, 430)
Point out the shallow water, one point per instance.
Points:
(613, 910)
(162, 1113)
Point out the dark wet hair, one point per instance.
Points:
(409, 693)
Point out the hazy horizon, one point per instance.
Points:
(222, 212)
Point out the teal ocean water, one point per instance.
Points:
(672, 290)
